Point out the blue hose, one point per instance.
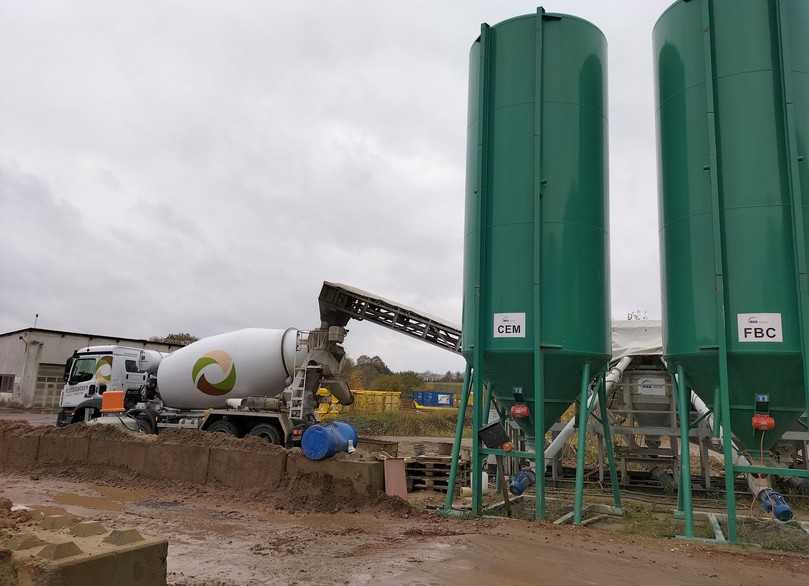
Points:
(775, 503)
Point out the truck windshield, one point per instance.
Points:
(84, 369)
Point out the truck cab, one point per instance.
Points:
(95, 369)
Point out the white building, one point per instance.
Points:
(32, 362)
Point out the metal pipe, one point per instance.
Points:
(613, 378)
(755, 485)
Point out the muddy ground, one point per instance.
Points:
(215, 540)
(290, 535)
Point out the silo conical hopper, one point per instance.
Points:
(536, 284)
(733, 129)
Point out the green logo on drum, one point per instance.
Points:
(225, 363)
(104, 370)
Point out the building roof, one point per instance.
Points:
(86, 335)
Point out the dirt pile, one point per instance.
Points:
(10, 519)
(199, 463)
(193, 437)
(327, 494)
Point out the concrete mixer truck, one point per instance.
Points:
(254, 381)
(260, 382)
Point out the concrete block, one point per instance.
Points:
(247, 469)
(187, 463)
(58, 521)
(123, 537)
(119, 452)
(46, 557)
(59, 448)
(24, 541)
(88, 528)
(3, 449)
(367, 478)
(21, 450)
(59, 551)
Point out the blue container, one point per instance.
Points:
(434, 398)
(324, 440)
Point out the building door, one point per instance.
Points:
(50, 380)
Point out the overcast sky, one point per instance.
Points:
(204, 166)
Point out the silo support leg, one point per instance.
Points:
(730, 472)
(581, 447)
(456, 446)
(539, 436)
(477, 415)
(683, 397)
(605, 422)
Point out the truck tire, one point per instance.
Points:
(267, 432)
(223, 426)
(81, 415)
(146, 423)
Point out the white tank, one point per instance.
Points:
(246, 363)
(149, 360)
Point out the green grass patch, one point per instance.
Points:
(405, 422)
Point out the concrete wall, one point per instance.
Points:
(24, 448)
(22, 357)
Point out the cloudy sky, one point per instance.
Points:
(203, 166)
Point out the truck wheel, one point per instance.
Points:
(223, 426)
(85, 414)
(267, 432)
(146, 424)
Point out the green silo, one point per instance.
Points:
(536, 277)
(733, 131)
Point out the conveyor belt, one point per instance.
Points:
(340, 303)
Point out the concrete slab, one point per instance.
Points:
(187, 463)
(247, 469)
(120, 452)
(62, 449)
(367, 477)
(21, 449)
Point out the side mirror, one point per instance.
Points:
(91, 390)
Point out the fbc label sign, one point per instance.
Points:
(759, 327)
(509, 325)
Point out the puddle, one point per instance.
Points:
(110, 499)
(101, 503)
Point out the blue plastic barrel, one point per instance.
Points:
(323, 440)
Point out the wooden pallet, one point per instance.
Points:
(432, 473)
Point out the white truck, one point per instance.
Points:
(261, 382)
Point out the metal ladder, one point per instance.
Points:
(298, 395)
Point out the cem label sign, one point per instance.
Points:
(759, 327)
(509, 325)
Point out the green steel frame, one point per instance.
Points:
(722, 408)
(584, 410)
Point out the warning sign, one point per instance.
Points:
(509, 325)
(759, 327)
